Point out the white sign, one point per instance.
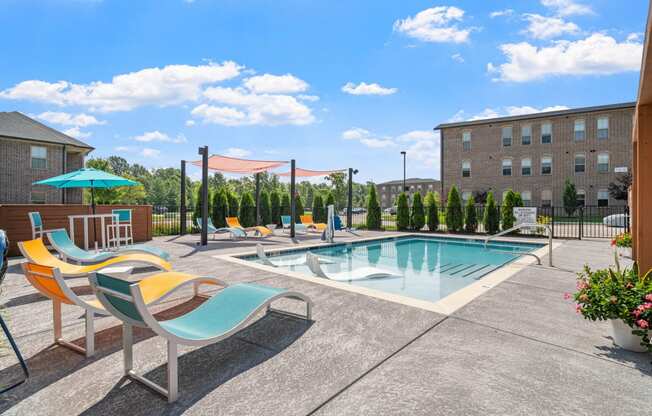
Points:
(525, 215)
(621, 169)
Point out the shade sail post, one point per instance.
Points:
(182, 202)
(293, 206)
(257, 198)
(203, 151)
(349, 205)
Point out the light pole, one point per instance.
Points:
(349, 205)
(404, 153)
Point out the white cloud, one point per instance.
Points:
(148, 152)
(77, 133)
(418, 135)
(275, 84)
(172, 84)
(236, 152)
(598, 54)
(367, 89)
(567, 7)
(377, 143)
(500, 13)
(355, 133)
(122, 149)
(157, 136)
(367, 138)
(190, 123)
(504, 112)
(306, 97)
(437, 24)
(457, 58)
(542, 27)
(67, 119)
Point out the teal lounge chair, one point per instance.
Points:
(235, 232)
(218, 318)
(62, 243)
(286, 220)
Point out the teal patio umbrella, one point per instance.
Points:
(87, 178)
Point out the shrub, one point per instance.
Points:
(402, 212)
(318, 210)
(491, 220)
(418, 217)
(298, 208)
(373, 209)
(275, 202)
(196, 213)
(507, 210)
(330, 200)
(247, 210)
(622, 240)
(285, 204)
(454, 216)
(265, 209)
(220, 208)
(570, 198)
(432, 210)
(470, 216)
(234, 206)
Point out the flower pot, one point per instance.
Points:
(625, 252)
(623, 337)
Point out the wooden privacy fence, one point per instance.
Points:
(14, 220)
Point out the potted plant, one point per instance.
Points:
(623, 297)
(623, 244)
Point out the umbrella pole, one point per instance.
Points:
(94, 223)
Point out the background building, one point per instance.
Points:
(534, 154)
(31, 151)
(389, 191)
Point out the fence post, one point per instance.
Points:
(182, 207)
(552, 220)
(627, 219)
(581, 227)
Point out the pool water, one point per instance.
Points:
(427, 268)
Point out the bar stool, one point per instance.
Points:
(120, 230)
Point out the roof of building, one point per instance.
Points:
(18, 126)
(409, 181)
(537, 115)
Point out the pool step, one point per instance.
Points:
(466, 270)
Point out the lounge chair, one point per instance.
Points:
(260, 251)
(4, 249)
(308, 222)
(154, 288)
(259, 230)
(62, 243)
(286, 220)
(218, 318)
(37, 225)
(36, 252)
(235, 233)
(362, 273)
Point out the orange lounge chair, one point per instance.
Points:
(259, 230)
(308, 222)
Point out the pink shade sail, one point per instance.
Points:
(235, 165)
(308, 173)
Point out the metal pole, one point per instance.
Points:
(64, 168)
(404, 169)
(292, 197)
(182, 204)
(349, 208)
(258, 198)
(203, 151)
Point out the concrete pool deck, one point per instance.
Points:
(519, 348)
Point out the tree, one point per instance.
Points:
(491, 220)
(265, 208)
(373, 210)
(620, 190)
(454, 216)
(275, 202)
(507, 209)
(197, 212)
(470, 216)
(402, 212)
(318, 211)
(339, 191)
(285, 204)
(330, 200)
(298, 208)
(432, 211)
(570, 197)
(418, 217)
(220, 208)
(247, 215)
(234, 206)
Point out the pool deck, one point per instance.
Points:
(517, 349)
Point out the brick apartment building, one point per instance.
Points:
(389, 191)
(534, 154)
(31, 151)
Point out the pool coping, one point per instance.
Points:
(445, 306)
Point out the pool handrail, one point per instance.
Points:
(526, 225)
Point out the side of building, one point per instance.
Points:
(389, 191)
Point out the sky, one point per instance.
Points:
(333, 84)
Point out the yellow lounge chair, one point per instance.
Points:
(259, 230)
(36, 252)
(50, 283)
(308, 222)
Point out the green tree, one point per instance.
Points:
(570, 197)
(285, 204)
(318, 211)
(491, 219)
(265, 208)
(197, 211)
(507, 210)
(418, 217)
(298, 208)
(454, 216)
(234, 206)
(330, 200)
(339, 191)
(275, 202)
(373, 209)
(220, 208)
(470, 216)
(247, 215)
(402, 212)
(432, 210)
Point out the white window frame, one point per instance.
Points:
(547, 123)
(529, 127)
(583, 193)
(466, 141)
(543, 194)
(503, 166)
(579, 134)
(503, 136)
(583, 156)
(466, 162)
(31, 197)
(526, 201)
(600, 170)
(603, 191)
(599, 129)
(524, 166)
(33, 158)
(551, 162)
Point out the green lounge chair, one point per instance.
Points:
(286, 220)
(218, 318)
(62, 243)
(235, 232)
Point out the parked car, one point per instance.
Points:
(359, 210)
(390, 210)
(616, 220)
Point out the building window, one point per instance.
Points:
(603, 128)
(384, 197)
(526, 135)
(581, 198)
(466, 169)
(507, 136)
(580, 130)
(430, 186)
(546, 165)
(466, 141)
(37, 197)
(526, 196)
(603, 198)
(546, 133)
(526, 167)
(39, 157)
(546, 198)
(580, 163)
(507, 167)
(466, 195)
(603, 162)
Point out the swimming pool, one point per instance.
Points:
(425, 268)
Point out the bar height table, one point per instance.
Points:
(85, 218)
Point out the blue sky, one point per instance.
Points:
(333, 84)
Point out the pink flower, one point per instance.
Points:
(581, 285)
(567, 296)
(648, 297)
(636, 312)
(642, 323)
(578, 309)
(647, 305)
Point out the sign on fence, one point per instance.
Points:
(525, 215)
